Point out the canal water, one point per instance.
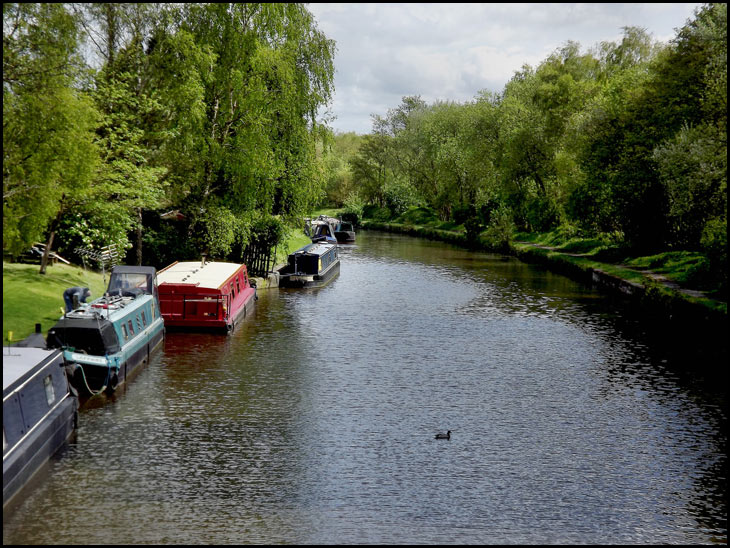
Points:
(314, 422)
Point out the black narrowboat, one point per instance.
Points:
(344, 232)
(314, 265)
(39, 413)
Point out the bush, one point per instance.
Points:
(498, 234)
(714, 243)
(418, 216)
(353, 209)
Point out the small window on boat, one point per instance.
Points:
(131, 329)
(50, 394)
(233, 291)
(144, 320)
(238, 285)
(139, 324)
(124, 332)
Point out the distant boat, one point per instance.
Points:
(205, 295)
(39, 413)
(105, 341)
(314, 265)
(344, 232)
(323, 229)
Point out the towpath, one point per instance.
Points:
(654, 276)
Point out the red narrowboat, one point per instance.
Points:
(205, 295)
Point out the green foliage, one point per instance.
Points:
(498, 234)
(266, 70)
(353, 209)
(48, 149)
(418, 216)
(714, 243)
(340, 183)
(206, 108)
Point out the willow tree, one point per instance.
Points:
(48, 141)
(254, 77)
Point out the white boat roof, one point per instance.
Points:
(17, 361)
(210, 275)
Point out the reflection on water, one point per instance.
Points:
(314, 422)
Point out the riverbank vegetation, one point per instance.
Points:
(621, 149)
(167, 130)
(176, 130)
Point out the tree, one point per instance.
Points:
(49, 156)
(256, 75)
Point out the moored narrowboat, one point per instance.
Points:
(105, 341)
(205, 295)
(344, 232)
(323, 230)
(314, 265)
(39, 413)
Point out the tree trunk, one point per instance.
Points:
(46, 252)
(139, 236)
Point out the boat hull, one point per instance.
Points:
(299, 280)
(345, 237)
(110, 372)
(214, 325)
(34, 427)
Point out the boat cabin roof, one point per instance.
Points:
(211, 275)
(21, 362)
(314, 249)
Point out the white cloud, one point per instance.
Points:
(453, 51)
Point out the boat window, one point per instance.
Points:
(238, 285)
(124, 332)
(50, 394)
(233, 291)
(144, 320)
(128, 283)
(131, 329)
(139, 324)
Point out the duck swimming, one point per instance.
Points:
(442, 436)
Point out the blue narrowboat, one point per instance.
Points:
(323, 230)
(105, 341)
(39, 413)
(314, 265)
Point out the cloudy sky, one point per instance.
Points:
(452, 51)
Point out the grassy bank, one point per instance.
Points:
(673, 277)
(295, 240)
(30, 298)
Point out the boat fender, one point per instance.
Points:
(71, 372)
(113, 382)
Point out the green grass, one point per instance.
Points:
(30, 298)
(296, 239)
